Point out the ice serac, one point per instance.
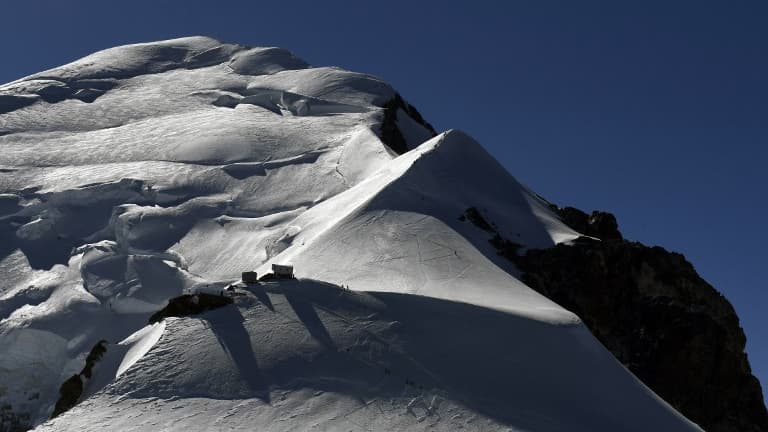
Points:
(151, 174)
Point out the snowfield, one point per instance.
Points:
(144, 172)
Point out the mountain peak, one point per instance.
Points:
(140, 183)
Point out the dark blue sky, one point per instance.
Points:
(656, 111)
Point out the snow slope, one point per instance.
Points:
(399, 231)
(307, 355)
(143, 172)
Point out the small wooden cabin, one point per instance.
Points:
(250, 277)
(283, 271)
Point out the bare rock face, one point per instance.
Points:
(599, 224)
(72, 389)
(190, 304)
(651, 309)
(390, 132)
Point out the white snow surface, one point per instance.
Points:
(144, 172)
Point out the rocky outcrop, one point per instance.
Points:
(190, 304)
(473, 215)
(657, 316)
(651, 309)
(390, 133)
(72, 389)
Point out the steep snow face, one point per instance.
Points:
(144, 172)
(399, 231)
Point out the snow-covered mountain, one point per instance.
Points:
(142, 173)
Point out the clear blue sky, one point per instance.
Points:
(656, 110)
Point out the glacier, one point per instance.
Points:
(144, 172)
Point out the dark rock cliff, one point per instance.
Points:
(390, 133)
(72, 389)
(651, 309)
